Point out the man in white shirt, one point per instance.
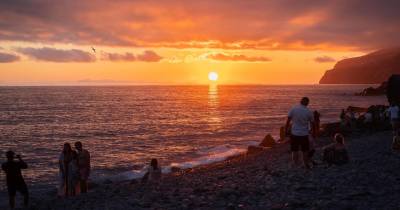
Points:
(394, 118)
(302, 121)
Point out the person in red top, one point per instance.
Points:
(15, 181)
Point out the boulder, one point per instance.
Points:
(175, 169)
(251, 150)
(268, 141)
(371, 91)
(330, 129)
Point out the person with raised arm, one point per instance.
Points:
(15, 180)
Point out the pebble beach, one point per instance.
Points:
(260, 181)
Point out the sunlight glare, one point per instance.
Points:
(213, 76)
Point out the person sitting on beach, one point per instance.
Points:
(368, 121)
(15, 180)
(83, 165)
(153, 173)
(336, 153)
(303, 120)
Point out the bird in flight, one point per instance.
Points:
(94, 50)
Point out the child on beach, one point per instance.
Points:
(154, 172)
(336, 153)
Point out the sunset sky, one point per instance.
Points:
(47, 42)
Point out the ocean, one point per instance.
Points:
(123, 127)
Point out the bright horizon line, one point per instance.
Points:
(173, 84)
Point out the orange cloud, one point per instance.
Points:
(227, 57)
(149, 56)
(235, 24)
(324, 59)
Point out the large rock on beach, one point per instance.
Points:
(268, 141)
(251, 150)
(329, 129)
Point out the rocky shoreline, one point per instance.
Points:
(261, 181)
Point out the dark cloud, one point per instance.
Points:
(236, 24)
(146, 56)
(227, 57)
(118, 57)
(57, 55)
(324, 59)
(8, 58)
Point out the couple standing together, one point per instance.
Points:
(74, 169)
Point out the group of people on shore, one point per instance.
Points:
(74, 167)
(74, 171)
(373, 118)
(302, 127)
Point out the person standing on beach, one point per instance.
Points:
(395, 118)
(73, 175)
(63, 162)
(303, 121)
(317, 124)
(15, 180)
(83, 165)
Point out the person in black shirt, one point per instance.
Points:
(15, 181)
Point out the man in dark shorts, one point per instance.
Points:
(302, 121)
(15, 181)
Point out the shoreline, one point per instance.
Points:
(244, 181)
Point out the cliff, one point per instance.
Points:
(373, 68)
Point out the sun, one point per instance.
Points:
(213, 76)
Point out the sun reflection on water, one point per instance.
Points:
(213, 104)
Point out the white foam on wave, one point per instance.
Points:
(216, 154)
(207, 156)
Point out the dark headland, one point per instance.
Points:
(373, 68)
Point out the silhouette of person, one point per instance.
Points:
(153, 173)
(15, 181)
(64, 161)
(83, 166)
(303, 120)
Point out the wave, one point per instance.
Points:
(207, 156)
